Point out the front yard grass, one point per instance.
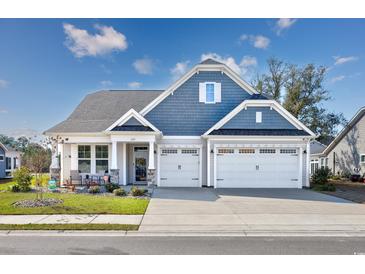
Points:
(69, 227)
(74, 204)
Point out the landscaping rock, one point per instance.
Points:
(38, 203)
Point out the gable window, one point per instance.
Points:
(84, 161)
(210, 92)
(258, 117)
(2, 157)
(101, 159)
(362, 158)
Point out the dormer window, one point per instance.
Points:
(209, 92)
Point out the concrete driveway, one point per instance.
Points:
(220, 210)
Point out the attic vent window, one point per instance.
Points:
(258, 117)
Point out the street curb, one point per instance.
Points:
(106, 233)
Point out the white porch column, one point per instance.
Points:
(74, 157)
(151, 158)
(114, 164)
(307, 183)
(208, 162)
(300, 175)
(124, 160)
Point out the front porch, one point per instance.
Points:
(125, 159)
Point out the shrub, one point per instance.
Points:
(325, 187)
(135, 191)
(94, 189)
(119, 192)
(14, 188)
(23, 178)
(111, 187)
(345, 174)
(321, 176)
(335, 177)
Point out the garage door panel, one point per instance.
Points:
(257, 168)
(180, 167)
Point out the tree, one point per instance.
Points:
(273, 82)
(304, 94)
(37, 159)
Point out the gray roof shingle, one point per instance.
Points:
(210, 61)
(99, 110)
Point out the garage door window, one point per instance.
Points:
(288, 151)
(169, 151)
(246, 151)
(189, 151)
(226, 151)
(267, 151)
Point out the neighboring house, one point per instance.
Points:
(210, 128)
(346, 153)
(316, 161)
(9, 161)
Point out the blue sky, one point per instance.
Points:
(48, 65)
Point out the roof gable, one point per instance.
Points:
(261, 103)
(357, 117)
(210, 65)
(135, 120)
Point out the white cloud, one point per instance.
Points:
(135, 84)
(179, 69)
(337, 78)
(342, 60)
(106, 83)
(81, 43)
(3, 111)
(244, 68)
(283, 24)
(144, 66)
(258, 41)
(3, 83)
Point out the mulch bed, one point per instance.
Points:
(38, 203)
(349, 190)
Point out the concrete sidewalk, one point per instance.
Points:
(71, 219)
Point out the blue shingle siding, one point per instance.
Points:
(182, 114)
(2, 163)
(246, 119)
(132, 122)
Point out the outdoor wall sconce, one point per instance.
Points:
(154, 152)
(212, 151)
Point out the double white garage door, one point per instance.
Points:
(257, 167)
(236, 167)
(180, 167)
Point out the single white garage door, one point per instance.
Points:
(257, 168)
(179, 167)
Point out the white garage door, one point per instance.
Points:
(257, 168)
(179, 167)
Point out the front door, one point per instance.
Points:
(140, 163)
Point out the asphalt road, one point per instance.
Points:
(180, 245)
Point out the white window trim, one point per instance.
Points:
(3, 157)
(360, 158)
(90, 159)
(104, 159)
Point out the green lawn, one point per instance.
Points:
(74, 204)
(68, 227)
(5, 186)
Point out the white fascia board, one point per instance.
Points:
(200, 67)
(261, 103)
(129, 114)
(256, 138)
(4, 147)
